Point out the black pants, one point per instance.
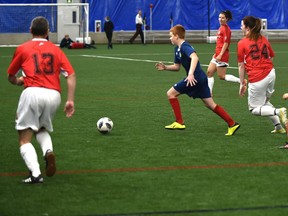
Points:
(138, 31)
(109, 37)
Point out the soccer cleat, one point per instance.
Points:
(33, 180)
(283, 115)
(233, 129)
(281, 131)
(50, 163)
(175, 126)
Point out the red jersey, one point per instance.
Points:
(223, 36)
(256, 56)
(41, 62)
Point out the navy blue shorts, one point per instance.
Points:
(200, 90)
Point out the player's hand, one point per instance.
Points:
(218, 58)
(69, 108)
(160, 66)
(242, 90)
(190, 79)
(20, 81)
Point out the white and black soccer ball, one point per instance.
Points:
(104, 125)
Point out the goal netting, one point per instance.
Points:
(64, 18)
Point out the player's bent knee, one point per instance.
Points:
(256, 111)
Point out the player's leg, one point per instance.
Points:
(50, 106)
(172, 95)
(26, 124)
(210, 73)
(233, 126)
(44, 139)
(276, 121)
(221, 71)
(259, 94)
(29, 155)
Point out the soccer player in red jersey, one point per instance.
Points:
(40, 63)
(255, 56)
(220, 59)
(195, 84)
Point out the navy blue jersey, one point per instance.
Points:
(182, 56)
(201, 89)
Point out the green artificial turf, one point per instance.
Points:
(140, 168)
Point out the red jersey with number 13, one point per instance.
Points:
(41, 62)
(256, 56)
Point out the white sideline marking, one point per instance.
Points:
(118, 58)
(138, 60)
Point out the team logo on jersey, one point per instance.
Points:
(178, 54)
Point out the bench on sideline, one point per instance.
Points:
(158, 36)
(194, 36)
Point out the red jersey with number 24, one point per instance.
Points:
(41, 63)
(256, 56)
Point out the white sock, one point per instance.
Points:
(231, 78)
(276, 121)
(30, 158)
(44, 139)
(211, 83)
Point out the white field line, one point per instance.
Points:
(136, 60)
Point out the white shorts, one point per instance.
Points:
(259, 92)
(36, 108)
(219, 63)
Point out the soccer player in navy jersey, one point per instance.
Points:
(195, 85)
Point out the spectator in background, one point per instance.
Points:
(139, 24)
(108, 28)
(66, 42)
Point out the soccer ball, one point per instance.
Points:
(104, 125)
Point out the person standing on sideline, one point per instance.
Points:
(255, 55)
(108, 28)
(41, 63)
(139, 24)
(195, 85)
(220, 59)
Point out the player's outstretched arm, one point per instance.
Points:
(161, 66)
(69, 106)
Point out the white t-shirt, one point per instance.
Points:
(139, 19)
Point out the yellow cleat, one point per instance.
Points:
(283, 115)
(281, 131)
(175, 126)
(233, 129)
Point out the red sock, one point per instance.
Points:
(177, 110)
(224, 115)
